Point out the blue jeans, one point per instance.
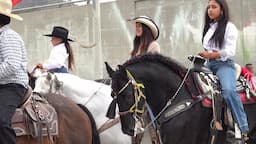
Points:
(59, 70)
(225, 71)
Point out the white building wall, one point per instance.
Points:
(180, 23)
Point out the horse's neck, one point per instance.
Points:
(74, 82)
(161, 84)
(94, 95)
(80, 89)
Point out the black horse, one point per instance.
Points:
(156, 80)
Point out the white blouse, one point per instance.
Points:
(58, 57)
(228, 49)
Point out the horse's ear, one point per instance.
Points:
(109, 69)
(120, 67)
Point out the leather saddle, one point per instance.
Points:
(208, 83)
(35, 117)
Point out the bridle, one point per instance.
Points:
(137, 93)
(136, 109)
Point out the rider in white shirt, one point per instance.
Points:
(61, 58)
(219, 41)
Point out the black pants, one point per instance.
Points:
(10, 98)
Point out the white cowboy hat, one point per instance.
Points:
(6, 9)
(148, 22)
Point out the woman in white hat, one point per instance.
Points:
(61, 58)
(147, 33)
(13, 72)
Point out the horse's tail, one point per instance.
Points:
(95, 134)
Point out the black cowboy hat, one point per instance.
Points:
(59, 32)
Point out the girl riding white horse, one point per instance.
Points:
(95, 96)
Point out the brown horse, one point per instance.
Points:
(76, 125)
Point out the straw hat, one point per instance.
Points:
(148, 22)
(6, 9)
(59, 32)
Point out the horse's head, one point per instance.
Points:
(47, 83)
(162, 79)
(129, 96)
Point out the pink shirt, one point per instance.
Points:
(153, 47)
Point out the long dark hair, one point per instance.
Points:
(71, 60)
(218, 36)
(143, 41)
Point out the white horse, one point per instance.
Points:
(94, 95)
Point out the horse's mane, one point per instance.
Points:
(158, 58)
(170, 63)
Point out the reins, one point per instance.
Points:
(91, 97)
